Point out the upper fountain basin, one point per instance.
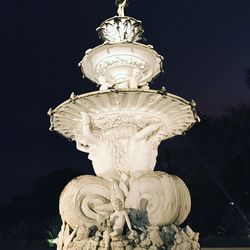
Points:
(123, 65)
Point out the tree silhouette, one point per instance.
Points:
(213, 160)
(27, 217)
(248, 77)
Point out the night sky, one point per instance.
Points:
(206, 46)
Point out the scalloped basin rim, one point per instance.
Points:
(98, 92)
(103, 59)
(111, 109)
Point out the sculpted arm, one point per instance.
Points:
(147, 131)
(128, 221)
(85, 126)
(86, 137)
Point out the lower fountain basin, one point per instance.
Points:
(125, 108)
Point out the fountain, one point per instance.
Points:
(127, 205)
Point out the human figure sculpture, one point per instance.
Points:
(104, 84)
(117, 152)
(121, 6)
(119, 218)
(128, 82)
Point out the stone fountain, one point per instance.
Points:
(127, 205)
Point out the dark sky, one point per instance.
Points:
(206, 46)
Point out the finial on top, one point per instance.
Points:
(121, 4)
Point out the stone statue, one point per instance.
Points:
(119, 217)
(122, 149)
(128, 82)
(127, 205)
(121, 6)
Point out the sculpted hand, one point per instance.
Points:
(142, 147)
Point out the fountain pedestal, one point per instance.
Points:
(127, 205)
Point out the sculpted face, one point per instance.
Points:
(102, 160)
(117, 205)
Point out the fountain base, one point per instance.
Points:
(141, 211)
(166, 237)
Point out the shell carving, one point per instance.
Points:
(120, 29)
(165, 198)
(85, 201)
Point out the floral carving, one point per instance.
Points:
(120, 29)
(121, 60)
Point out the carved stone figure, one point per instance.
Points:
(119, 218)
(121, 6)
(123, 150)
(127, 205)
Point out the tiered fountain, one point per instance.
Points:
(127, 205)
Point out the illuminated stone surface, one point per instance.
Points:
(121, 65)
(127, 205)
(120, 29)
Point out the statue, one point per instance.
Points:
(127, 205)
(121, 6)
(120, 216)
(120, 150)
